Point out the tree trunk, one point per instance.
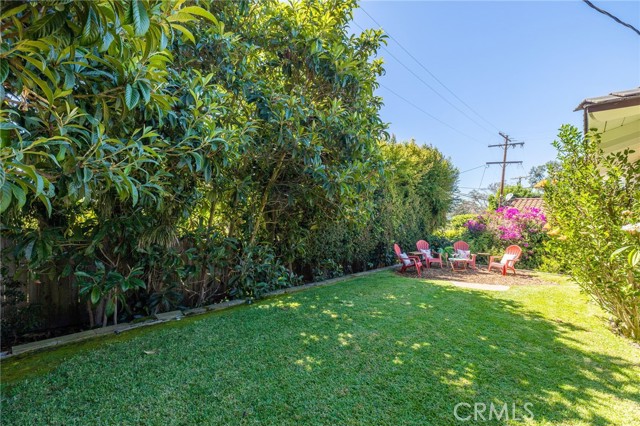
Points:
(115, 309)
(92, 321)
(265, 198)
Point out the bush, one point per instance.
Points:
(494, 231)
(216, 156)
(595, 202)
(258, 271)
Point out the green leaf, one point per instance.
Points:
(145, 90)
(46, 202)
(185, 32)
(5, 197)
(4, 70)
(87, 174)
(138, 17)
(95, 295)
(92, 29)
(48, 25)
(131, 97)
(28, 250)
(110, 307)
(107, 39)
(11, 12)
(69, 78)
(41, 83)
(198, 159)
(83, 275)
(134, 193)
(195, 10)
(617, 252)
(19, 194)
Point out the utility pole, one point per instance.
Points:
(507, 143)
(519, 179)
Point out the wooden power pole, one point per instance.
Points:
(519, 179)
(507, 143)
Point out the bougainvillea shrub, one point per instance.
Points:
(493, 231)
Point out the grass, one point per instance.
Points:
(376, 350)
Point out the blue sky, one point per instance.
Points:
(522, 65)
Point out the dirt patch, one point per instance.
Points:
(481, 276)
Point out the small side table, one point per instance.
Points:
(458, 264)
(485, 255)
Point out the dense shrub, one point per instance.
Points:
(170, 154)
(493, 231)
(454, 231)
(594, 202)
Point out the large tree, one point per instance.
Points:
(134, 130)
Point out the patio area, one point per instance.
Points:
(482, 276)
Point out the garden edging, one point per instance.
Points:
(171, 316)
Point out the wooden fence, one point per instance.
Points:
(57, 302)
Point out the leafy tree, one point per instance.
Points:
(593, 199)
(474, 202)
(161, 152)
(94, 155)
(418, 190)
(539, 173)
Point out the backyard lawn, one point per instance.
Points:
(376, 350)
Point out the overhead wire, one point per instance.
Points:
(604, 12)
(434, 77)
(475, 168)
(483, 172)
(429, 86)
(433, 117)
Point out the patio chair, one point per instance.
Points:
(427, 255)
(508, 260)
(462, 250)
(407, 261)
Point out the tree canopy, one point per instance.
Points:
(166, 152)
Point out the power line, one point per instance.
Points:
(482, 178)
(430, 115)
(429, 86)
(604, 12)
(434, 77)
(475, 168)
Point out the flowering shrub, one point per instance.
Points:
(494, 231)
(594, 206)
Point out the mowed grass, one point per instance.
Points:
(376, 350)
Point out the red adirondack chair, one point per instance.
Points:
(422, 246)
(508, 261)
(408, 261)
(461, 245)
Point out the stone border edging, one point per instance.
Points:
(172, 316)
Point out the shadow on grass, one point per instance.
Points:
(379, 350)
(468, 347)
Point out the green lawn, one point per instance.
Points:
(376, 350)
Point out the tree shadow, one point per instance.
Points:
(458, 346)
(376, 350)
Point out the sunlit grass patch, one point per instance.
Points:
(351, 354)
